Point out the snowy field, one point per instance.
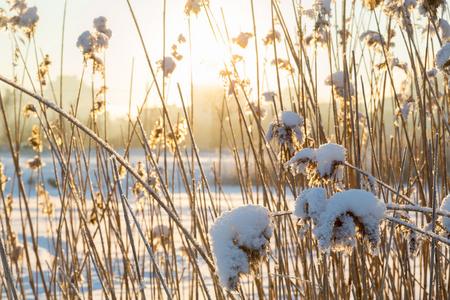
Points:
(171, 255)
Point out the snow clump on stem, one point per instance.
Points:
(341, 218)
(240, 240)
(287, 129)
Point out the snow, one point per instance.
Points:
(342, 217)
(242, 39)
(100, 25)
(445, 206)
(301, 160)
(324, 163)
(240, 239)
(444, 28)
(327, 156)
(86, 42)
(29, 18)
(169, 65)
(268, 96)
(343, 212)
(338, 83)
(442, 57)
(287, 128)
(310, 203)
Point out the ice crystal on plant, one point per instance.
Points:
(240, 240)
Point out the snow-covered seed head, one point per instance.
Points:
(240, 240)
(271, 37)
(242, 39)
(258, 108)
(428, 8)
(283, 64)
(194, 6)
(442, 59)
(349, 214)
(167, 65)
(321, 165)
(336, 80)
(287, 128)
(445, 206)
(26, 19)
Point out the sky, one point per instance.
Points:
(125, 46)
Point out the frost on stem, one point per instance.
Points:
(321, 165)
(240, 240)
(341, 218)
(287, 128)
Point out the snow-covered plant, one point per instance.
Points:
(242, 39)
(268, 97)
(194, 6)
(272, 37)
(167, 65)
(287, 128)
(406, 107)
(428, 8)
(401, 12)
(341, 218)
(282, 64)
(375, 40)
(445, 206)
(336, 80)
(444, 29)
(26, 18)
(442, 59)
(240, 240)
(93, 43)
(258, 108)
(321, 165)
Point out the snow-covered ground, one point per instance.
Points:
(44, 227)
